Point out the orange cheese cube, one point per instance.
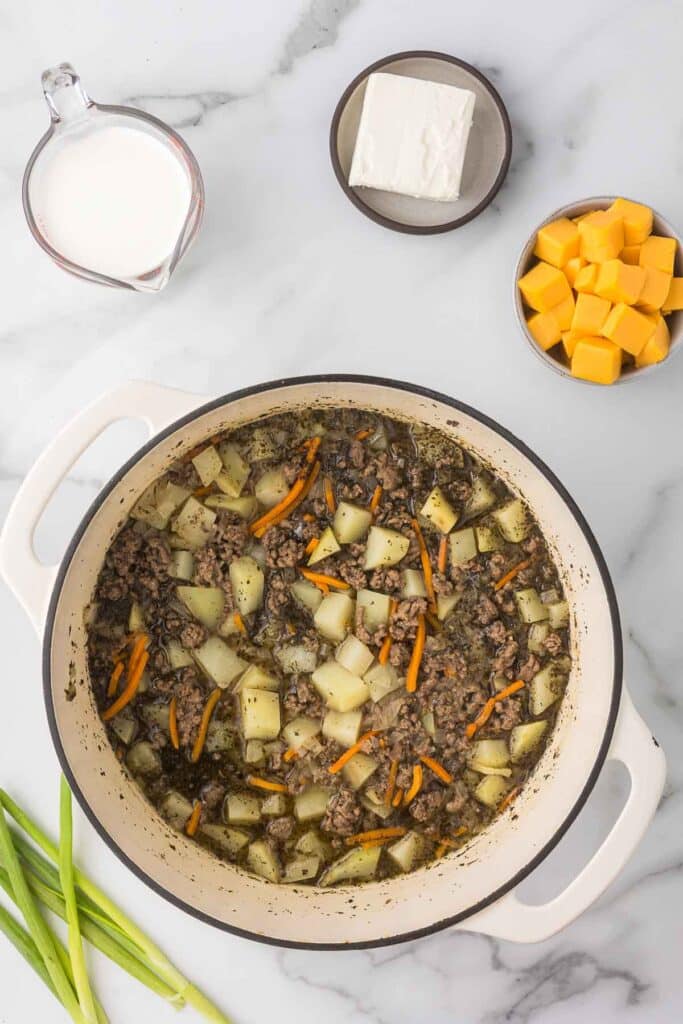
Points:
(637, 220)
(658, 252)
(557, 242)
(655, 290)
(630, 254)
(597, 360)
(602, 236)
(564, 312)
(544, 329)
(590, 314)
(657, 348)
(674, 299)
(582, 216)
(544, 287)
(569, 340)
(628, 328)
(586, 278)
(619, 282)
(572, 267)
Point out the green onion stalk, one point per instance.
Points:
(66, 875)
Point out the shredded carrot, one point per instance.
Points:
(312, 447)
(321, 580)
(415, 785)
(512, 573)
(239, 622)
(329, 495)
(273, 787)
(114, 679)
(371, 844)
(383, 655)
(438, 769)
(443, 552)
(312, 545)
(440, 850)
(376, 498)
(360, 435)
(426, 564)
(507, 799)
(308, 517)
(488, 708)
(192, 823)
(445, 843)
(291, 628)
(416, 657)
(130, 689)
(290, 755)
(394, 832)
(141, 641)
(381, 742)
(173, 723)
(398, 797)
(199, 742)
(460, 831)
(433, 622)
(268, 518)
(391, 783)
(201, 492)
(348, 754)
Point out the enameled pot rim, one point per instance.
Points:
(422, 392)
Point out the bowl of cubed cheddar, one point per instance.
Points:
(596, 290)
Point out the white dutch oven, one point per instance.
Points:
(472, 889)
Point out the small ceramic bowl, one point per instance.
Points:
(527, 259)
(486, 162)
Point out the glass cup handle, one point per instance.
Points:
(66, 98)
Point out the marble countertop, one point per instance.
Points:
(287, 277)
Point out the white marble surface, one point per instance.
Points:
(287, 278)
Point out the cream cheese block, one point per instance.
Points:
(412, 137)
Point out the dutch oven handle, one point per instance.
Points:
(634, 745)
(27, 577)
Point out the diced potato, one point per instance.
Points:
(524, 738)
(296, 658)
(235, 471)
(136, 620)
(262, 447)
(351, 522)
(538, 632)
(445, 604)
(263, 861)
(492, 753)
(219, 661)
(229, 840)
(271, 488)
(546, 687)
(381, 680)
(176, 809)
(254, 752)
(125, 725)
(260, 714)
(372, 802)
(311, 803)
(143, 759)
(342, 726)
(352, 866)
(155, 714)
(208, 465)
(307, 594)
(485, 769)
(205, 603)
(513, 521)
(530, 606)
(242, 809)
(558, 615)
(299, 732)
(354, 655)
(491, 790)
(439, 511)
(409, 849)
(312, 842)
(182, 564)
(326, 546)
(257, 678)
(158, 503)
(413, 584)
(246, 577)
(245, 507)
(375, 608)
(274, 805)
(194, 523)
(481, 499)
(301, 869)
(463, 545)
(219, 736)
(488, 538)
(358, 770)
(334, 616)
(384, 547)
(428, 723)
(339, 688)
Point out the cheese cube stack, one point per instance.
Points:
(601, 289)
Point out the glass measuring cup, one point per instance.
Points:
(74, 116)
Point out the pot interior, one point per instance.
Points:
(440, 893)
